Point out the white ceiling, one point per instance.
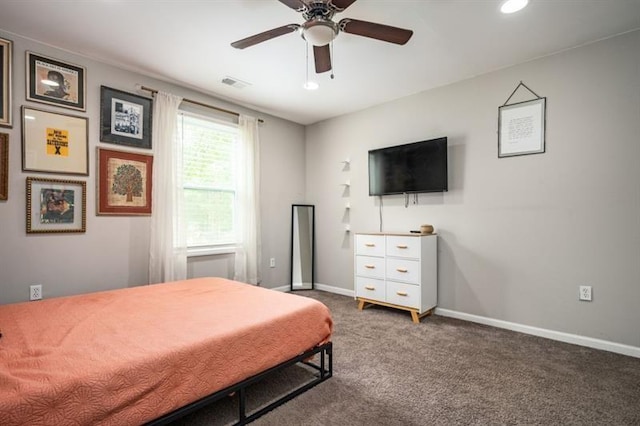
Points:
(188, 42)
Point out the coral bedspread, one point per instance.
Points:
(129, 356)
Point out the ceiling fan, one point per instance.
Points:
(319, 29)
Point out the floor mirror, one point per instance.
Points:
(302, 246)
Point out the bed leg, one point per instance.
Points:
(242, 415)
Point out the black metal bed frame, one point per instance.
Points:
(325, 371)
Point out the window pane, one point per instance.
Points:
(209, 174)
(209, 217)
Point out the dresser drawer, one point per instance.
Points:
(398, 246)
(405, 270)
(403, 294)
(368, 266)
(369, 245)
(370, 288)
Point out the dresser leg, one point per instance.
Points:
(360, 305)
(414, 317)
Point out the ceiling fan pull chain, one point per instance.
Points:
(333, 59)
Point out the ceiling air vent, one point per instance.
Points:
(234, 82)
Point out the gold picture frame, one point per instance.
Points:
(56, 206)
(124, 181)
(6, 55)
(54, 142)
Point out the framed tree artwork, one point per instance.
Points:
(6, 55)
(125, 118)
(124, 183)
(55, 206)
(54, 82)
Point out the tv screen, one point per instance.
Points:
(414, 167)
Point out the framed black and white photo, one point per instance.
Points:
(521, 128)
(6, 48)
(125, 118)
(54, 82)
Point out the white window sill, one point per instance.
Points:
(210, 251)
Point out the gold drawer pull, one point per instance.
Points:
(401, 293)
(404, 271)
(402, 246)
(370, 245)
(369, 287)
(370, 266)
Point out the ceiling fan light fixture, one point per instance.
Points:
(511, 6)
(319, 31)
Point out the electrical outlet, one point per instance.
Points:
(35, 292)
(585, 293)
(272, 262)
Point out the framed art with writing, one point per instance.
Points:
(55, 206)
(54, 143)
(54, 82)
(521, 128)
(124, 183)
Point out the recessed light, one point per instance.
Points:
(511, 6)
(311, 85)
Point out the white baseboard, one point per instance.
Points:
(284, 288)
(336, 290)
(541, 332)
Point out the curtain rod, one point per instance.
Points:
(202, 104)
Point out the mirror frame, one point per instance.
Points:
(313, 244)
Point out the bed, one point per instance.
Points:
(150, 354)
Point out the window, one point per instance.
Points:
(209, 180)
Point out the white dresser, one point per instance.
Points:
(397, 270)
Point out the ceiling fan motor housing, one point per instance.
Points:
(319, 31)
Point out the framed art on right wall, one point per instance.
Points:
(521, 128)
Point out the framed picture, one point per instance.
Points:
(54, 143)
(6, 55)
(124, 183)
(521, 128)
(125, 118)
(56, 206)
(55, 82)
(4, 166)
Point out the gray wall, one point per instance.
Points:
(113, 253)
(517, 236)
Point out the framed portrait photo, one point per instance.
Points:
(55, 206)
(6, 55)
(55, 82)
(124, 183)
(125, 118)
(4, 166)
(54, 143)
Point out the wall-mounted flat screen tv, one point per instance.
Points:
(414, 167)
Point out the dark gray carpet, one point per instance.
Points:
(389, 371)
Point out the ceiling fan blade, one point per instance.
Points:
(322, 56)
(267, 35)
(377, 31)
(342, 4)
(295, 4)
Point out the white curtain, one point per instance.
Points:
(247, 258)
(168, 248)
